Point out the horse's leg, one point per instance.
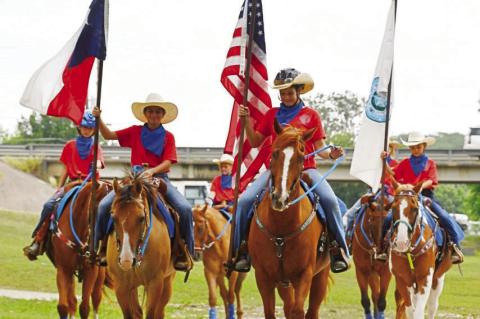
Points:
(128, 300)
(362, 280)
(164, 297)
(374, 283)
(318, 293)
(223, 292)
(400, 313)
(267, 290)
(301, 286)
(212, 293)
(421, 299)
(65, 286)
(97, 292)
(90, 276)
(238, 287)
(154, 291)
(385, 277)
(232, 283)
(434, 296)
(286, 293)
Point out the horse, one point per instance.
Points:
(370, 272)
(67, 248)
(283, 238)
(418, 274)
(139, 250)
(212, 237)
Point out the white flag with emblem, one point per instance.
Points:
(366, 162)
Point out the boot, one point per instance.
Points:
(183, 261)
(456, 253)
(242, 261)
(338, 259)
(33, 250)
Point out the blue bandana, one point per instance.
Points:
(84, 146)
(389, 159)
(285, 114)
(418, 163)
(226, 181)
(153, 140)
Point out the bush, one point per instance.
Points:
(30, 165)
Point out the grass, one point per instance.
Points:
(459, 299)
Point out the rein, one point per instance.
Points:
(219, 236)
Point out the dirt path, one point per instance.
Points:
(20, 191)
(28, 295)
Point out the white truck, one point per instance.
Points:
(194, 191)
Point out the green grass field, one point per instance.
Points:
(460, 299)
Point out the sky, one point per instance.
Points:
(178, 48)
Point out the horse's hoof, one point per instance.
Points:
(368, 316)
(380, 315)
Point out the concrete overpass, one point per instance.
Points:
(195, 163)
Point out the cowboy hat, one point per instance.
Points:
(288, 77)
(416, 138)
(225, 158)
(154, 99)
(393, 143)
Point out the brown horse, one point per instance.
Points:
(366, 244)
(212, 237)
(68, 254)
(419, 277)
(283, 238)
(139, 250)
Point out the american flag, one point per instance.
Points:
(233, 79)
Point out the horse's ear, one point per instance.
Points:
(137, 188)
(418, 187)
(204, 209)
(365, 199)
(277, 126)
(308, 134)
(116, 186)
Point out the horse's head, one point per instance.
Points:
(129, 213)
(286, 164)
(406, 215)
(375, 215)
(200, 226)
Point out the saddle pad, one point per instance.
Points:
(63, 202)
(432, 223)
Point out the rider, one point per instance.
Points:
(152, 146)
(221, 190)
(76, 157)
(292, 111)
(419, 168)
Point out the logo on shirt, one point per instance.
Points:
(376, 108)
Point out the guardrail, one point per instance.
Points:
(206, 154)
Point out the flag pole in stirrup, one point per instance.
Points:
(93, 199)
(385, 144)
(229, 264)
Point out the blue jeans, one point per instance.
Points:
(327, 198)
(48, 208)
(173, 196)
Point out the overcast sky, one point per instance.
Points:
(178, 48)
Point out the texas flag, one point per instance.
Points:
(60, 86)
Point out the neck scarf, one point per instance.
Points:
(418, 163)
(84, 146)
(285, 114)
(226, 181)
(153, 140)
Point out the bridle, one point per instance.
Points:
(204, 245)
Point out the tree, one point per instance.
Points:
(442, 140)
(452, 197)
(340, 113)
(472, 201)
(42, 128)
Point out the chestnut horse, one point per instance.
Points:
(367, 242)
(139, 250)
(66, 249)
(212, 238)
(283, 240)
(419, 277)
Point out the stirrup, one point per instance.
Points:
(183, 261)
(456, 254)
(242, 263)
(33, 250)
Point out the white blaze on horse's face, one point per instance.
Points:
(281, 202)
(126, 254)
(402, 241)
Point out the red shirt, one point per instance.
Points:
(76, 166)
(388, 180)
(131, 137)
(306, 119)
(404, 173)
(221, 194)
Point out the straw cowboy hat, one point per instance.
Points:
(154, 99)
(288, 77)
(416, 138)
(225, 158)
(393, 143)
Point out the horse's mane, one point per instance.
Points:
(289, 136)
(126, 194)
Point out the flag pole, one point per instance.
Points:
(93, 199)
(385, 141)
(229, 264)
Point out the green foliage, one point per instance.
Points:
(41, 128)
(30, 165)
(452, 197)
(349, 192)
(340, 113)
(442, 140)
(472, 201)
